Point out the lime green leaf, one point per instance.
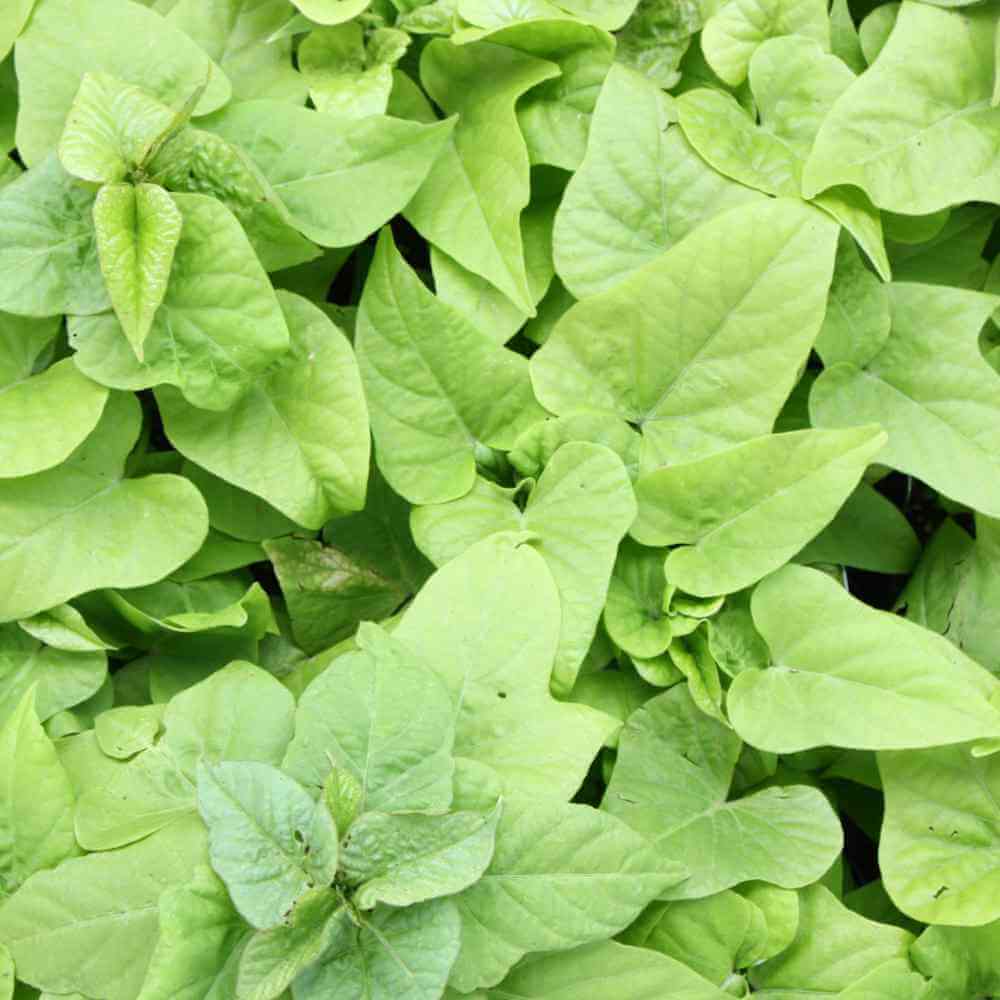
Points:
(36, 803)
(470, 204)
(110, 129)
(239, 713)
(44, 417)
(576, 532)
(397, 954)
(917, 399)
(354, 716)
(219, 326)
(15, 17)
(415, 351)
(48, 249)
(124, 731)
(63, 627)
(781, 489)
(299, 437)
(488, 624)
(946, 90)
(138, 229)
(562, 875)
(640, 189)
(267, 839)
(858, 678)
(603, 969)
(634, 614)
(62, 678)
(200, 943)
(669, 348)
(331, 11)
(938, 850)
(963, 961)
(91, 924)
(81, 526)
(65, 40)
(316, 164)
(733, 34)
(25, 343)
(404, 859)
(671, 781)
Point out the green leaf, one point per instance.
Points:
(918, 400)
(562, 875)
(299, 437)
(91, 925)
(381, 716)
(469, 206)
(219, 326)
(65, 40)
(239, 713)
(7, 983)
(331, 11)
(81, 526)
(634, 614)
(124, 731)
(61, 678)
(316, 165)
(63, 627)
(236, 34)
(857, 677)
(273, 958)
(488, 624)
(869, 532)
(48, 248)
(415, 351)
(138, 229)
(603, 969)
(404, 859)
(36, 802)
(25, 343)
(781, 489)
(669, 348)
(952, 256)
(397, 954)
(44, 417)
(832, 949)
(671, 781)
(938, 845)
(110, 129)
(15, 17)
(267, 839)
(733, 34)
(576, 533)
(200, 942)
(895, 155)
(961, 960)
(640, 189)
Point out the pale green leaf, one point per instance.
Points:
(488, 624)
(36, 800)
(25, 344)
(267, 839)
(857, 677)
(562, 875)
(436, 385)
(742, 513)
(124, 731)
(404, 859)
(12, 21)
(63, 627)
(684, 347)
(876, 27)
(962, 960)
(928, 383)
(48, 248)
(65, 40)
(634, 614)
(219, 326)
(45, 417)
(397, 954)
(331, 11)
(939, 851)
(138, 229)
(81, 526)
(671, 782)
(316, 164)
(91, 925)
(381, 715)
(200, 942)
(919, 106)
(110, 129)
(299, 437)
(640, 189)
(470, 203)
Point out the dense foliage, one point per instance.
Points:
(499, 498)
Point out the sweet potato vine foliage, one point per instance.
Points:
(499, 499)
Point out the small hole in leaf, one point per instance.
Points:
(501, 694)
